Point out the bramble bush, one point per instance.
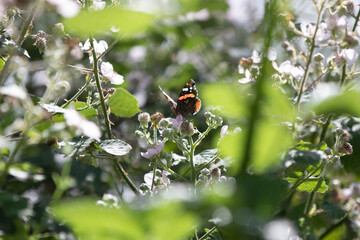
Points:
(90, 148)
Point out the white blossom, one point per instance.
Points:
(349, 55)
(107, 71)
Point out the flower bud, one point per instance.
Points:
(328, 151)
(139, 134)
(187, 128)
(336, 158)
(205, 171)
(41, 43)
(168, 133)
(346, 136)
(156, 117)
(144, 187)
(144, 119)
(209, 117)
(61, 88)
(318, 57)
(346, 148)
(58, 30)
(216, 173)
(350, 6)
(218, 121)
(158, 173)
(339, 131)
(164, 123)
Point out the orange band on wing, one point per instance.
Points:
(197, 106)
(190, 95)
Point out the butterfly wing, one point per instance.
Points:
(173, 104)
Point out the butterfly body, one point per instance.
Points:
(187, 103)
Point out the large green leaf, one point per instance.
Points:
(123, 104)
(316, 184)
(115, 147)
(344, 103)
(90, 22)
(229, 97)
(89, 221)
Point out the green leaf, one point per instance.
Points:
(339, 104)
(115, 147)
(52, 108)
(299, 161)
(162, 221)
(227, 96)
(123, 104)
(91, 22)
(2, 62)
(88, 112)
(316, 184)
(205, 156)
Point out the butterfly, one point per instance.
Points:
(187, 103)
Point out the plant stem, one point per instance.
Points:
(118, 166)
(324, 130)
(124, 175)
(171, 171)
(303, 81)
(356, 21)
(202, 135)
(191, 160)
(98, 85)
(153, 179)
(19, 42)
(343, 76)
(208, 233)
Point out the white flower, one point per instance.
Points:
(287, 69)
(308, 30)
(256, 57)
(297, 72)
(334, 21)
(164, 180)
(153, 150)
(99, 47)
(247, 78)
(88, 128)
(350, 56)
(66, 8)
(107, 71)
(272, 54)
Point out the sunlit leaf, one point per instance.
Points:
(345, 103)
(205, 156)
(52, 108)
(89, 221)
(123, 104)
(316, 184)
(91, 22)
(115, 147)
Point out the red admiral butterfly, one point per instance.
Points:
(188, 103)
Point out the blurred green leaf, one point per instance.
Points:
(229, 97)
(91, 22)
(123, 104)
(333, 210)
(232, 145)
(197, 5)
(316, 184)
(345, 103)
(115, 147)
(89, 221)
(1, 63)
